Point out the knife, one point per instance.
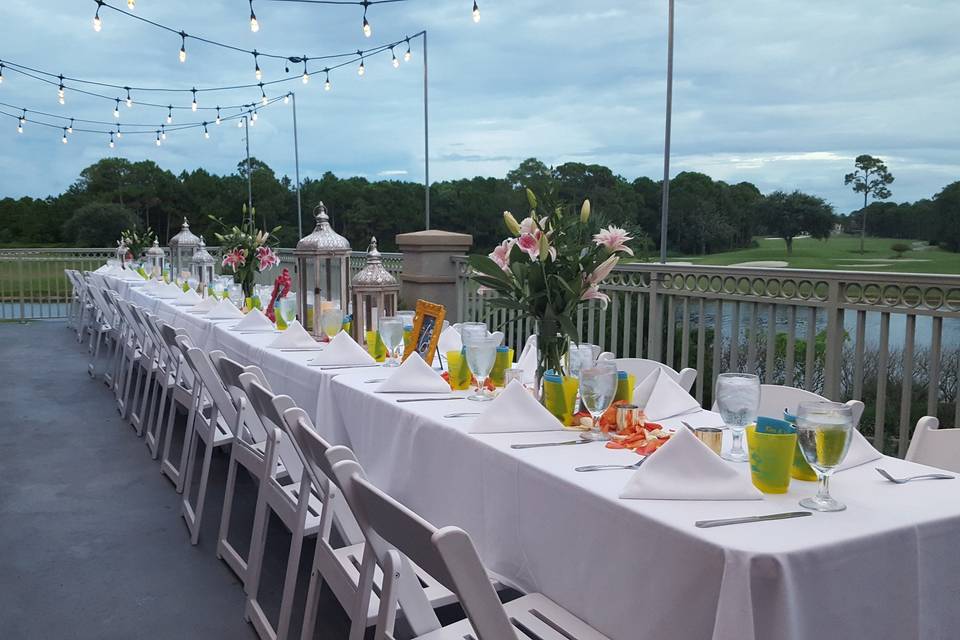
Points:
(429, 399)
(341, 366)
(706, 524)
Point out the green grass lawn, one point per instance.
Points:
(839, 252)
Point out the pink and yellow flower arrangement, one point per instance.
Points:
(551, 264)
(247, 252)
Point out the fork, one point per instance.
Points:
(605, 467)
(922, 476)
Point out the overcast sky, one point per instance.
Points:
(781, 93)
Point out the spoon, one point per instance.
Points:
(604, 467)
(922, 476)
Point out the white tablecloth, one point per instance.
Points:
(884, 568)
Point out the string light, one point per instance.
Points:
(256, 66)
(396, 63)
(70, 126)
(22, 121)
(193, 105)
(183, 47)
(361, 69)
(163, 132)
(131, 4)
(119, 133)
(367, 30)
(116, 109)
(326, 84)
(408, 54)
(112, 145)
(263, 95)
(240, 123)
(60, 96)
(206, 134)
(306, 76)
(129, 99)
(254, 25)
(253, 118)
(97, 23)
(1, 73)
(476, 12)
(158, 138)
(286, 99)
(64, 138)
(218, 117)
(169, 114)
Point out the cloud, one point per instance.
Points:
(783, 94)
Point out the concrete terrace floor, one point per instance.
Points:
(92, 543)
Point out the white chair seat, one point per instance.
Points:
(314, 507)
(534, 617)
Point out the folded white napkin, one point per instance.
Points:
(106, 268)
(686, 469)
(294, 337)
(528, 360)
(343, 349)
(515, 410)
(660, 397)
(224, 310)
(450, 340)
(169, 292)
(254, 321)
(413, 376)
(860, 452)
(152, 287)
(205, 305)
(188, 298)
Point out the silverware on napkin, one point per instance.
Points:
(922, 476)
(429, 399)
(534, 445)
(722, 522)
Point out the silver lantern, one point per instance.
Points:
(323, 264)
(182, 247)
(122, 251)
(155, 260)
(202, 267)
(374, 293)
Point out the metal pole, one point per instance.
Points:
(246, 131)
(665, 204)
(296, 160)
(426, 140)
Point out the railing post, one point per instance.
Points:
(833, 356)
(655, 325)
(429, 273)
(23, 293)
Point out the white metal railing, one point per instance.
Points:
(33, 285)
(892, 340)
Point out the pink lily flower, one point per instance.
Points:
(615, 239)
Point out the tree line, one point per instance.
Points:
(706, 215)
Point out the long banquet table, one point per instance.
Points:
(887, 567)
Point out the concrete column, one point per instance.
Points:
(429, 273)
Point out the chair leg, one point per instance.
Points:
(313, 595)
(258, 540)
(155, 428)
(185, 454)
(225, 550)
(166, 466)
(293, 562)
(144, 391)
(194, 516)
(358, 619)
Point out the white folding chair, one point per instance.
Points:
(249, 450)
(349, 571)
(934, 446)
(640, 368)
(174, 390)
(774, 398)
(102, 325)
(211, 424)
(149, 368)
(450, 556)
(172, 470)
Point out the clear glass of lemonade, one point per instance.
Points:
(824, 430)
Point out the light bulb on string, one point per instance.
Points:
(158, 138)
(1, 73)
(193, 106)
(116, 109)
(253, 118)
(169, 114)
(326, 84)
(476, 12)
(19, 127)
(183, 47)
(64, 138)
(206, 134)
(367, 31)
(119, 133)
(22, 121)
(306, 76)
(60, 96)
(97, 23)
(163, 132)
(263, 95)
(256, 66)
(395, 62)
(131, 4)
(254, 25)
(129, 98)
(217, 121)
(361, 69)
(70, 126)
(112, 144)
(240, 122)
(407, 54)
(286, 99)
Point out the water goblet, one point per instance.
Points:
(824, 431)
(473, 331)
(598, 385)
(391, 332)
(738, 400)
(481, 355)
(512, 374)
(288, 308)
(407, 317)
(331, 321)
